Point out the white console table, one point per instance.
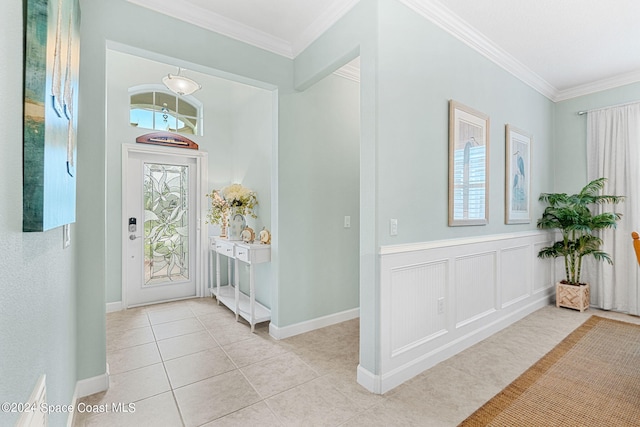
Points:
(240, 303)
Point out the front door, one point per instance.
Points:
(160, 227)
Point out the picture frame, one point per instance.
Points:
(517, 175)
(468, 166)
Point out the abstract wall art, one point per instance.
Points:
(51, 64)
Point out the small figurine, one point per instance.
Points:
(248, 235)
(265, 236)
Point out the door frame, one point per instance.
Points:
(202, 170)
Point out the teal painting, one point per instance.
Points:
(51, 60)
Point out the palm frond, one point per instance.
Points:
(572, 216)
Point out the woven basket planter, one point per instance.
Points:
(572, 296)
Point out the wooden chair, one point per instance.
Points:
(636, 245)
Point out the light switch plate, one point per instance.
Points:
(347, 222)
(393, 227)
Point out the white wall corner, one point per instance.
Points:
(313, 324)
(368, 380)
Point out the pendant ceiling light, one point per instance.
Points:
(179, 84)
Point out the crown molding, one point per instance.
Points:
(330, 16)
(349, 72)
(217, 23)
(460, 29)
(432, 10)
(598, 86)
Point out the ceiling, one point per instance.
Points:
(561, 48)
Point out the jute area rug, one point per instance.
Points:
(592, 378)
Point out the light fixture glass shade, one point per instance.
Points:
(180, 84)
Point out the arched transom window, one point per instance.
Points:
(155, 107)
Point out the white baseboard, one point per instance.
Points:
(368, 380)
(92, 385)
(381, 384)
(114, 306)
(74, 405)
(313, 324)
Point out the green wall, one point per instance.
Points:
(37, 279)
(570, 139)
(421, 69)
(410, 71)
(319, 176)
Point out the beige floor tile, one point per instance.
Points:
(132, 386)
(218, 317)
(315, 403)
(326, 357)
(252, 350)
(198, 366)
(176, 328)
(214, 397)
(183, 345)
(395, 414)
(170, 315)
(130, 358)
(117, 340)
(308, 379)
(453, 392)
(277, 374)
(204, 306)
(231, 332)
(258, 415)
(127, 319)
(159, 410)
(345, 381)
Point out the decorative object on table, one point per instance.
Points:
(518, 176)
(468, 166)
(51, 68)
(167, 139)
(265, 236)
(218, 212)
(248, 235)
(571, 216)
(233, 202)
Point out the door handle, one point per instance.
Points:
(134, 237)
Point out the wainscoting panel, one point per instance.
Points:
(475, 285)
(438, 298)
(543, 269)
(515, 275)
(415, 294)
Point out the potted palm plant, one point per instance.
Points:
(571, 215)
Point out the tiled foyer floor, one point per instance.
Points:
(189, 363)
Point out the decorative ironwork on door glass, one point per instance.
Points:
(166, 223)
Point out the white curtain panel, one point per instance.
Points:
(613, 152)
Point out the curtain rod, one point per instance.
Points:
(582, 113)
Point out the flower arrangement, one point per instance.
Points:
(236, 197)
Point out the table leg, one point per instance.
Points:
(218, 277)
(236, 281)
(252, 298)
